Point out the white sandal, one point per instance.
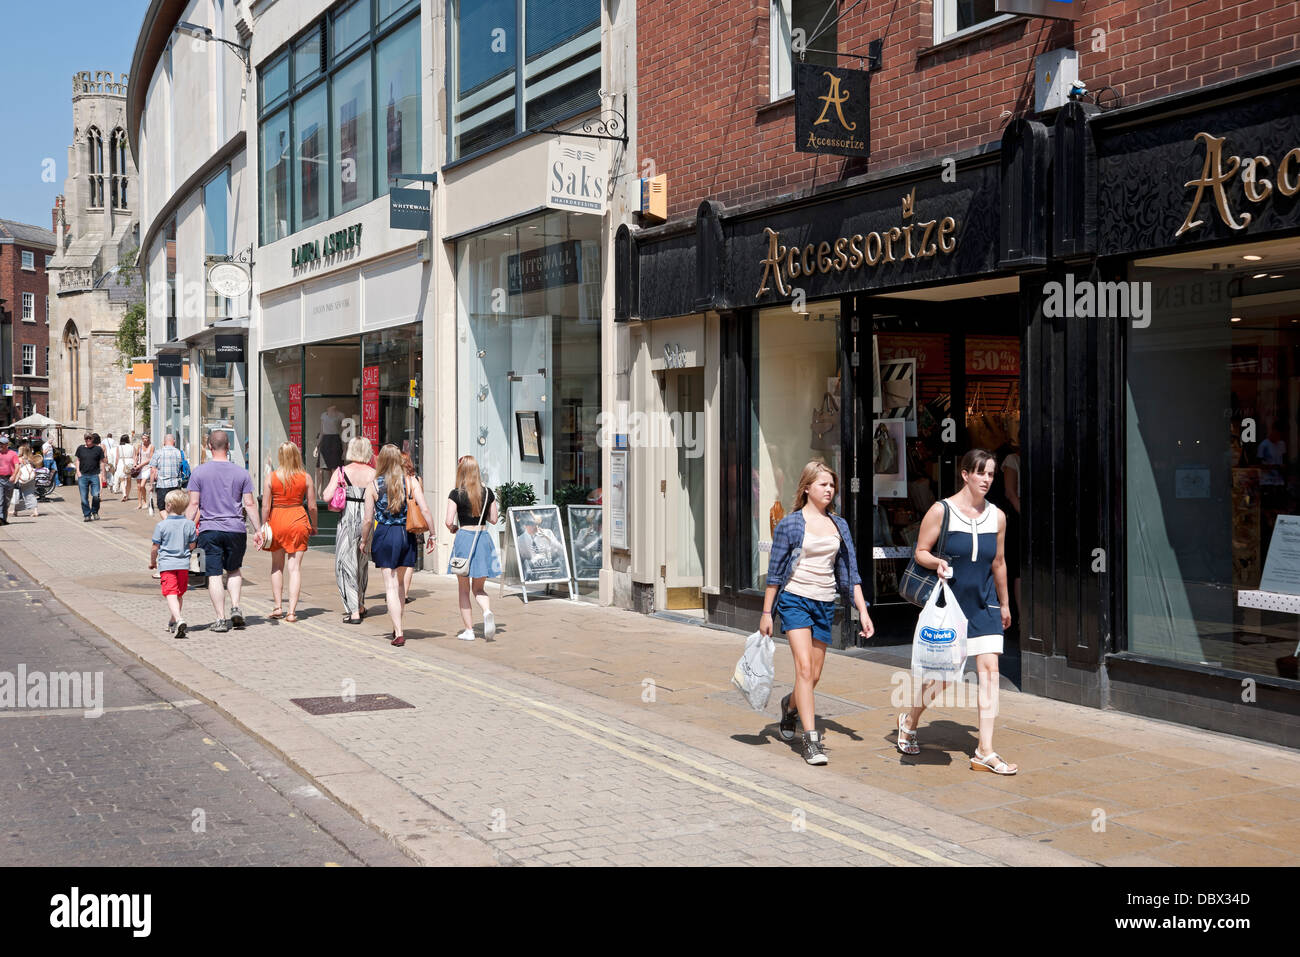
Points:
(991, 762)
(906, 738)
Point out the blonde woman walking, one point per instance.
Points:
(977, 562)
(351, 570)
(471, 509)
(812, 560)
(289, 507)
(143, 474)
(387, 500)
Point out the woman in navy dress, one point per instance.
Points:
(976, 559)
(394, 548)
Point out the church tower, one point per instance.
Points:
(92, 283)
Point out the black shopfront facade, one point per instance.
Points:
(1064, 281)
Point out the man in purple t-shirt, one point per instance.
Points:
(220, 493)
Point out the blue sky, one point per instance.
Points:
(45, 44)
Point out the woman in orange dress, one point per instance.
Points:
(289, 507)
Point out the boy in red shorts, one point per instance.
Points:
(173, 540)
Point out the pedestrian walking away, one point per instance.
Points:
(220, 495)
(388, 500)
(408, 467)
(977, 562)
(351, 571)
(812, 560)
(173, 540)
(9, 463)
(471, 510)
(123, 464)
(289, 507)
(144, 472)
(90, 467)
(25, 478)
(165, 466)
(47, 453)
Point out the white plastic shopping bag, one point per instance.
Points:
(939, 643)
(755, 670)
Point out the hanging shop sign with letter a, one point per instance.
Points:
(831, 110)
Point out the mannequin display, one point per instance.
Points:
(329, 443)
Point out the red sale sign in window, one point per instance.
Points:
(295, 414)
(370, 404)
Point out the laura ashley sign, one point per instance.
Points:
(1256, 185)
(911, 240)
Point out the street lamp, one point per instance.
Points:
(199, 32)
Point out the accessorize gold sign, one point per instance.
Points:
(1215, 177)
(918, 240)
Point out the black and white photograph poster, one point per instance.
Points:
(585, 541)
(539, 544)
(898, 392)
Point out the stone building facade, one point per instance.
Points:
(92, 276)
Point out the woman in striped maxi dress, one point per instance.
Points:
(351, 570)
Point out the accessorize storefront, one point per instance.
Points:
(1129, 325)
(1198, 221)
(812, 302)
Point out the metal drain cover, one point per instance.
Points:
(337, 704)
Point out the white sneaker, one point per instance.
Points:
(466, 635)
(489, 625)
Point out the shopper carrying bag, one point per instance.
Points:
(812, 561)
(977, 567)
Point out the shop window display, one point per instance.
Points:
(529, 334)
(794, 414)
(1212, 493)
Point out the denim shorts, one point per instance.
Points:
(796, 611)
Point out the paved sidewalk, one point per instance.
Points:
(591, 735)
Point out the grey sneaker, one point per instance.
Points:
(788, 716)
(171, 627)
(181, 628)
(236, 618)
(220, 625)
(812, 748)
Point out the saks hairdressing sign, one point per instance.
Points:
(784, 265)
(1216, 173)
(576, 179)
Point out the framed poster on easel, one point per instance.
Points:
(540, 552)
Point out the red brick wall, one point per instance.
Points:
(703, 77)
(14, 281)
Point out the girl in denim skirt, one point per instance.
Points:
(812, 559)
(471, 515)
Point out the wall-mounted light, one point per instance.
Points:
(199, 32)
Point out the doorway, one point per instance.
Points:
(947, 379)
(682, 512)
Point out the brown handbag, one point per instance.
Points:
(415, 523)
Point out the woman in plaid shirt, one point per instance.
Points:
(812, 560)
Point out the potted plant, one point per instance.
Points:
(511, 495)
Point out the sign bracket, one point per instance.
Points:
(607, 125)
(873, 56)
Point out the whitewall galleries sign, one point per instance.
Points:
(577, 179)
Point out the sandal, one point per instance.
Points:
(907, 742)
(291, 617)
(277, 614)
(991, 762)
(348, 620)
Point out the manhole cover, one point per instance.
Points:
(337, 704)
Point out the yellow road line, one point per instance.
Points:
(531, 706)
